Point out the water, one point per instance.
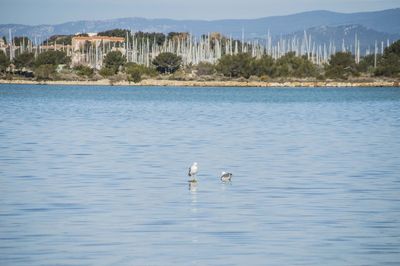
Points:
(97, 176)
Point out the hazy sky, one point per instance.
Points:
(57, 11)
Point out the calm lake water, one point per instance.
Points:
(98, 176)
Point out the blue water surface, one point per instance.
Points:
(98, 176)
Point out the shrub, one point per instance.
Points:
(136, 75)
(367, 63)
(45, 72)
(4, 61)
(291, 65)
(107, 72)
(52, 58)
(24, 60)
(235, 65)
(135, 71)
(341, 65)
(82, 70)
(390, 63)
(265, 66)
(205, 69)
(117, 78)
(148, 71)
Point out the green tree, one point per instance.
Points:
(52, 58)
(390, 63)
(177, 35)
(235, 65)
(114, 33)
(394, 48)
(153, 37)
(24, 60)
(4, 61)
(59, 39)
(341, 65)
(18, 41)
(122, 33)
(114, 60)
(45, 72)
(167, 62)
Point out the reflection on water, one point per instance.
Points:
(193, 186)
(97, 176)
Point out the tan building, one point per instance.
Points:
(85, 49)
(79, 41)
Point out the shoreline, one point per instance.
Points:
(179, 83)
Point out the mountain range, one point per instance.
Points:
(347, 34)
(378, 25)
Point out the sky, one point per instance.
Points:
(34, 12)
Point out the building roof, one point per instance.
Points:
(98, 38)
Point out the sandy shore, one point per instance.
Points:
(153, 82)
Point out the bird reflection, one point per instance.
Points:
(193, 210)
(193, 185)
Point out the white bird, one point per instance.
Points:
(226, 176)
(193, 170)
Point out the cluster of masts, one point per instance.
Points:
(193, 50)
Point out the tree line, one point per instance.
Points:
(341, 65)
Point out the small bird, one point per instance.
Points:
(225, 177)
(193, 171)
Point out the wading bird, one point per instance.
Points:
(225, 177)
(193, 171)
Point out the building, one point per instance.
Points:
(90, 50)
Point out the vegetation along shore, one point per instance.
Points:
(240, 64)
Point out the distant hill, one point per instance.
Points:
(386, 21)
(346, 33)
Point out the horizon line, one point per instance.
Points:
(204, 20)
